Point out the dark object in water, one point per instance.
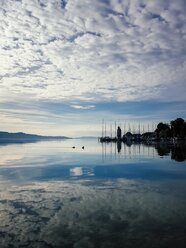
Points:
(73, 147)
(83, 147)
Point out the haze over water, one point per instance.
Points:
(106, 195)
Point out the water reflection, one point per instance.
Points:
(108, 195)
(123, 213)
(61, 152)
(177, 151)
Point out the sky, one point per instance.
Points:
(67, 64)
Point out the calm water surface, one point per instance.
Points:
(107, 195)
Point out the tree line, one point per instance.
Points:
(176, 129)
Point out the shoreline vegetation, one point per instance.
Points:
(172, 132)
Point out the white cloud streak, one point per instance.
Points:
(83, 107)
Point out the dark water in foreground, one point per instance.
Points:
(54, 196)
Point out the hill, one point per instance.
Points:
(16, 137)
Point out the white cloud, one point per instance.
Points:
(83, 107)
(74, 50)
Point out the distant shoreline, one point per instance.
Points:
(6, 137)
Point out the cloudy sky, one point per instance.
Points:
(67, 64)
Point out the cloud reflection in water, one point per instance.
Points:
(96, 213)
(135, 199)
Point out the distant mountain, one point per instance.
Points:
(11, 137)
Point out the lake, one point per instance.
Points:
(102, 196)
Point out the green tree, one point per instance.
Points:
(178, 128)
(163, 130)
